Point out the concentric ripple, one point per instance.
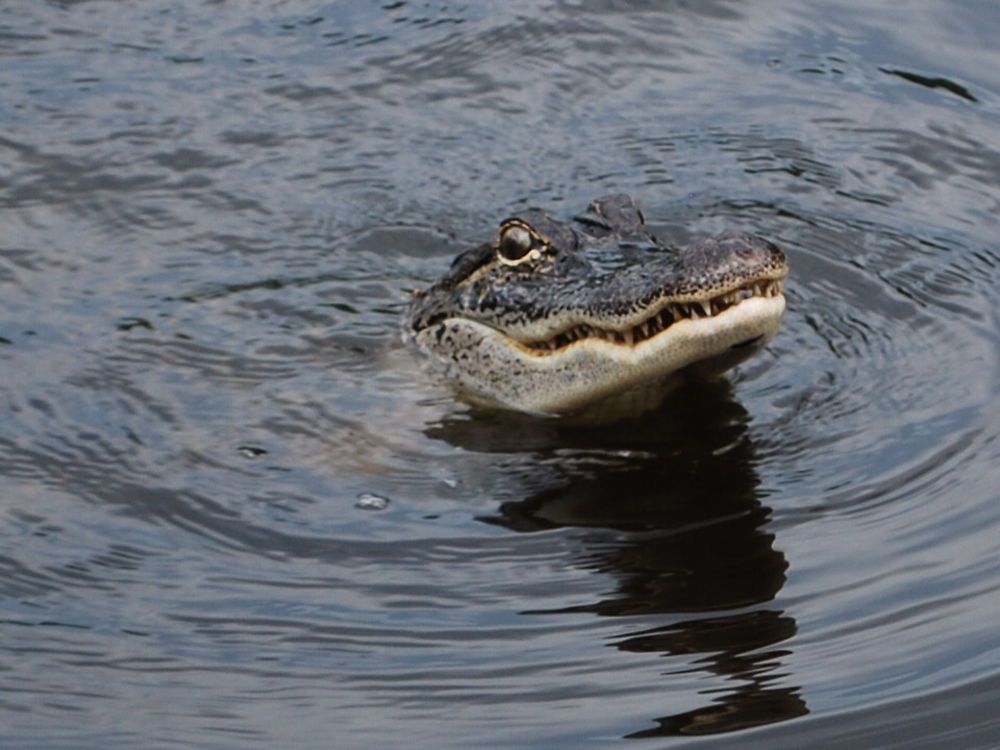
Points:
(238, 514)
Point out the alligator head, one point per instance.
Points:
(598, 317)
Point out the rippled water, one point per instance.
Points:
(236, 512)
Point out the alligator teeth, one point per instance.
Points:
(663, 319)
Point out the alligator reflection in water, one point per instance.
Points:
(673, 513)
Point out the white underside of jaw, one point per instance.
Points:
(495, 370)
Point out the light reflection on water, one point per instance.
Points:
(212, 216)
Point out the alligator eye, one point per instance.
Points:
(515, 244)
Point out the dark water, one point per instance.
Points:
(210, 215)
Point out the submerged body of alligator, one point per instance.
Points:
(598, 317)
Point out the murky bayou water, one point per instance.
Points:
(236, 514)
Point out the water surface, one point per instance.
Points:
(237, 514)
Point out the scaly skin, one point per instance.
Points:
(600, 319)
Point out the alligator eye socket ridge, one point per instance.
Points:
(516, 245)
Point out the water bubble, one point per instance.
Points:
(127, 324)
(251, 451)
(371, 501)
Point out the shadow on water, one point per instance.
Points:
(669, 507)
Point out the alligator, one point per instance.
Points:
(595, 318)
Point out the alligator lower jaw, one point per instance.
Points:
(746, 325)
(595, 375)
